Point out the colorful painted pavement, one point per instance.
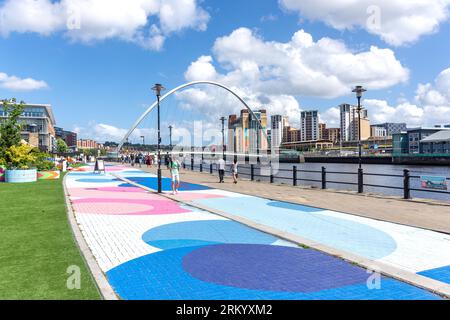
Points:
(153, 248)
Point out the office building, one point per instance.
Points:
(68, 136)
(38, 126)
(88, 144)
(392, 128)
(309, 121)
(437, 143)
(378, 131)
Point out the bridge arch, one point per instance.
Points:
(168, 94)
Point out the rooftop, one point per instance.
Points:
(441, 136)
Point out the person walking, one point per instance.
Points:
(221, 165)
(234, 171)
(132, 159)
(174, 166)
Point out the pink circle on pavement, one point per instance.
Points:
(127, 206)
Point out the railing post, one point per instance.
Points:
(192, 164)
(324, 178)
(294, 176)
(360, 180)
(252, 172)
(406, 185)
(271, 174)
(211, 168)
(201, 166)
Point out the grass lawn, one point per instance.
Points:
(36, 244)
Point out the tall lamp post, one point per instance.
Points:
(170, 137)
(158, 88)
(359, 90)
(223, 137)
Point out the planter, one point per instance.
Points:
(2, 173)
(48, 175)
(21, 176)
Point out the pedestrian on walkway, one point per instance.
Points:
(221, 165)
(174, 166)
(234, 171)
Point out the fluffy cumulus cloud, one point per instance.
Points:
(145, 22)
(397, 22)
(18, 84)
(102, 132)
(269, 73)
(430, 106)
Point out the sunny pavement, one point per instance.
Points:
(151, 247)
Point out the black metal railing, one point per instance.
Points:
(296, 175)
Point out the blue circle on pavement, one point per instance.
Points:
(196, 233)
(271, 268)
(161, 276)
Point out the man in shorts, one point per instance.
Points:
(174, 167)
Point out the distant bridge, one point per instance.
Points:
(189, 84)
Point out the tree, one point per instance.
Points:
(10, 127)
(61, 146)
(20, 157)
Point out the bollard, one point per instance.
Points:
(271, 175)
(324, 178)
(192, 164)
(211, 168)
(360, 180)
(201, 167)
(406, 185)
(252, 172)
(294, 176)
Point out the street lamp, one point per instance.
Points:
(158, 88)
(223, 137)
(170, 137)
(359, 90)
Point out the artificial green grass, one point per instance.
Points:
(37, 246)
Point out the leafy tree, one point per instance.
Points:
(10, 127)
(61, 146)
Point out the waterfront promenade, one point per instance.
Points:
(427, 214)
(152, 247)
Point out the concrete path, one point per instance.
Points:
(151, 247)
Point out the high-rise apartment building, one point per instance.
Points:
(309, 125)
(278, 123)
(350, 123)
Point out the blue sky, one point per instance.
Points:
(107, 79)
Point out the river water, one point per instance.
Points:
(284, 175)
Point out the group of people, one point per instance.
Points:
(222, 166)
(173, 164)
(138, 159)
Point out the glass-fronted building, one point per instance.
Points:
(38, 125)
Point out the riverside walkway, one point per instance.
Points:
(152, 247)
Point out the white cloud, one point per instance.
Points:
(145, 22)
(17, 84)
(271, 74)
(102, 132)
(397, 22)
